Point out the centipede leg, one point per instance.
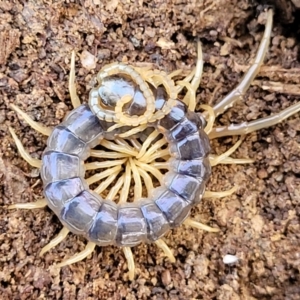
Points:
(215, 160)
(32, 161)
(210, 118)
(59, 238)
(232, 161)
(79, 256)
(130, 262)
(248, 127)
(196, 79)
(209, 194)
(198, 225)
(249, 76)
(31, 205)
(72, 86)
(165, 248)
(35, 125)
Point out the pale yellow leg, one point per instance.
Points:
(165, 248)
(152, 136)
(136, 144)
(188, 78)
(209, 194)
(147, 180)
(78, 257)
(138, 188)
(196, 80)
(249, 76)
(124, 144)
(72, 86)
(232, 161)
(103, 174)
(190, 101)
(112, 146)
(59, 238)
(104, 164)
(151, 170)
(210, 118)
(160, 165)
(164, 154)
(217, 159)
(32, 161)
(125, 190)
(198, 225)
(31, 205)
(153, 149)
(130, 262)
(108, 154)
(115, 189)
(175, 73)
(133, 131)
(35, 125)
(104, 184)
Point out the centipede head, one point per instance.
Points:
(114, 87)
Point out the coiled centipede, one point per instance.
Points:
(151, 108)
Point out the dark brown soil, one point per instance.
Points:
(259, 224)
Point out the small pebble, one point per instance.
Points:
(230, 259)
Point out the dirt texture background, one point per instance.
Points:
(259, 224)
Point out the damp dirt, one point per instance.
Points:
(259, 224)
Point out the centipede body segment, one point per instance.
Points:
(137, 116)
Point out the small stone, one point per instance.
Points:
(88, 60)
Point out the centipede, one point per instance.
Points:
(149, 140)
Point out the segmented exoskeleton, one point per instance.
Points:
(131, 102)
